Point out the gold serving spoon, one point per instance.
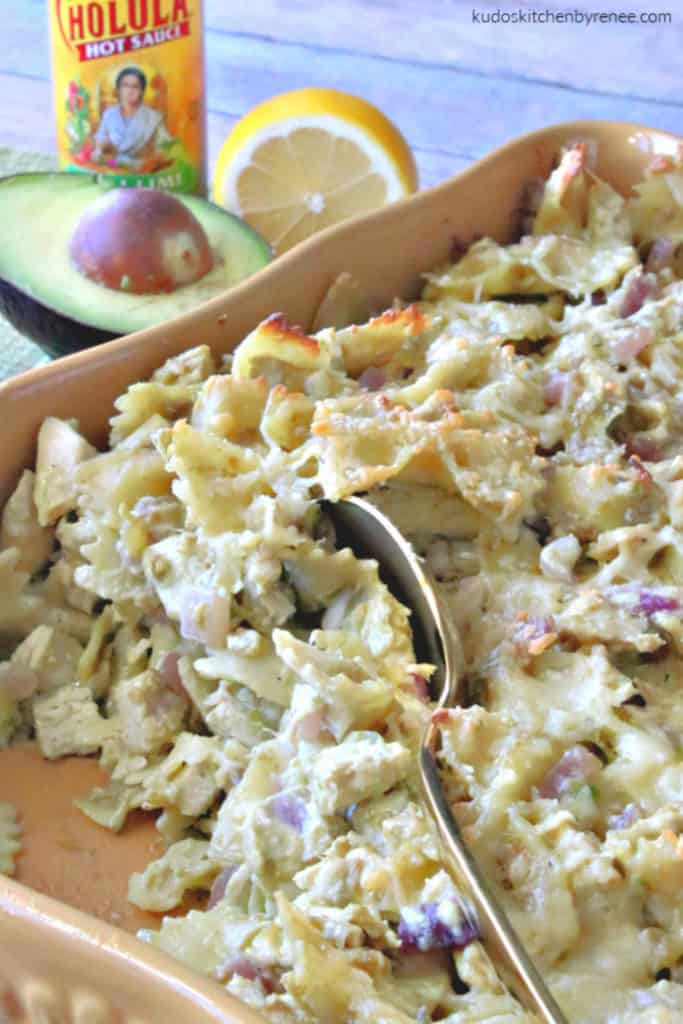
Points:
(371, 535)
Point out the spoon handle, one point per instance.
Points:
(371, 534)
(500, 940)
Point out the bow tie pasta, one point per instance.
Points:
(177, 606)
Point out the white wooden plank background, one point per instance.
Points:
(454, 87)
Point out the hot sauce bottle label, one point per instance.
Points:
(129, 91)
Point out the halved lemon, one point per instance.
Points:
(310, 158)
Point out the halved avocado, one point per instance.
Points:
(47, 297)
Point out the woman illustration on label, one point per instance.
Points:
(130, 131)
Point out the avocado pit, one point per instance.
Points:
(142, 241)
(46, 291)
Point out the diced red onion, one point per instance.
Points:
(645, 448)
(220, 885)
(541, 625)
(630, 813)
(420, 685)
(650, 602)
(168, 670)
(660, 254)
(373, 378)
(556, 388)
(290, 810)
(251, 971)
(216, 615)
(310, 725)
(441, 716)
(532, 631)
(245, 968)
(643, 474)
(638, 292)
(576, 765)
(424, 930)
(19, 681)
(630, 345)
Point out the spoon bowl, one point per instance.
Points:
(369, 533)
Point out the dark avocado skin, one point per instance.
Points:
(46, 298)
(57, 334)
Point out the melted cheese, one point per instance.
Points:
(522, 424)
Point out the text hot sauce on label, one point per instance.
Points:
(129, 91)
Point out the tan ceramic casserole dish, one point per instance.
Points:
(58, 964)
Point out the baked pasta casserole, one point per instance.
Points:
(177, 606)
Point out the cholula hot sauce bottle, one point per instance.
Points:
(129, 91)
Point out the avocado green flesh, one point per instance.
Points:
(39, 215)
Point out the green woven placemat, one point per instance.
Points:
(17, 353)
